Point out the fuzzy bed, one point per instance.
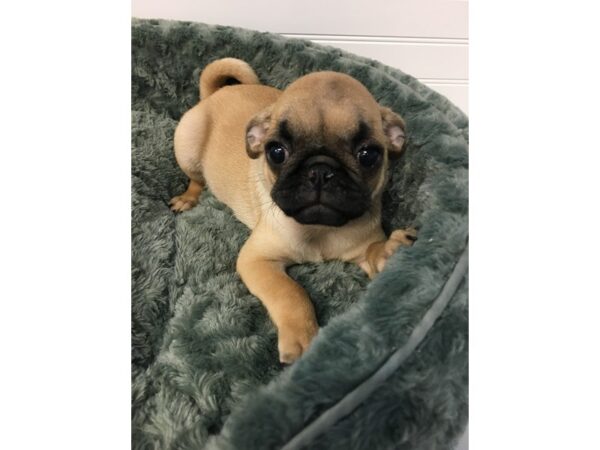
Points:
(205, 371)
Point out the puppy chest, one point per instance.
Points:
(322, 248)
(306, 243)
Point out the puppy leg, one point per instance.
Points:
(189, 142)
(188, 199)
(377, 254)
(287, 303)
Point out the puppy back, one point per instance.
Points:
(224, 72)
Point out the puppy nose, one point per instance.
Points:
(320, 174)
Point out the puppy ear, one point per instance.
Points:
(256, 132)
(394, 128)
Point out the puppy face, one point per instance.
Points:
(325, 145)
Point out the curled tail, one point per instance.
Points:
(223, 72)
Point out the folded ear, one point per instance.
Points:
(256, 131)
(394, 128)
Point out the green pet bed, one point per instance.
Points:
(389, 367)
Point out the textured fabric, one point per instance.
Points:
(205, 371)
(363, 391)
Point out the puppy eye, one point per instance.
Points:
(368, 156)
(276, 153)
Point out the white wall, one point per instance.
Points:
(425, 38)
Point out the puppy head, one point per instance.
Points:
(325, 144)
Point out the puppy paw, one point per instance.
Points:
(401, 237)
(183, 202)
(379, 252)
(295, 339)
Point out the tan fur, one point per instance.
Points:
(212, 148)
(215, 75)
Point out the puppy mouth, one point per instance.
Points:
(320, 214)
(317, 208)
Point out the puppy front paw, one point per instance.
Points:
(183, 202)
(294, 339)
(379, 252)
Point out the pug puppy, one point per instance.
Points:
(303, 168)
